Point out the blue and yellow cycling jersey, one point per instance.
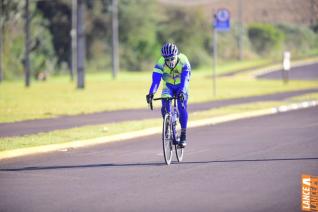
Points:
(172, 76)
(174, 79)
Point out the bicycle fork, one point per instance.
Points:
(174, 119)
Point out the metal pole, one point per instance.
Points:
(1, 32)
(26, 61)
(115, 57)
(80, 46)
(74, 38)
(215, 41)
(240, 29)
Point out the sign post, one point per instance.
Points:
(221, 23)
(215, 41)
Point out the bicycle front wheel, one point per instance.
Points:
(167, 139)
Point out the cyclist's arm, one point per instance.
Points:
(156, 78)
(185, 77)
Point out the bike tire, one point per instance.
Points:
(176, 135)
(179, 153)
(167, 139)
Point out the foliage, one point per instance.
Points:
(137, 34)
(189, 29)
(265, 38)
(315, 28)
(13, 53)
(13, 42)
(42, 47)
(58, 15)
(144, 25)
(298, 39)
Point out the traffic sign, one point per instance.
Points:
(222, 20)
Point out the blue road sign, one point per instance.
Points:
(222, 20)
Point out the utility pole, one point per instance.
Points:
(26, 61)
(1, 43)
(240, 29)
(74, 38)
(80, 45)
(115, 57)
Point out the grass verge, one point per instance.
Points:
(59, 97)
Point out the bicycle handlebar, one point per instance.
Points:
(165, 98)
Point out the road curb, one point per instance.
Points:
(150, 131)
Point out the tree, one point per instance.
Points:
(189, 29)
(58, 14)
(12, 37)
(137, 34)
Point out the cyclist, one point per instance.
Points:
(175, 70)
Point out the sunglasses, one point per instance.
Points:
(169, 59)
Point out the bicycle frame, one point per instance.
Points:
(174, 114)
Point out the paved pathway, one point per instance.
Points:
(306, 72)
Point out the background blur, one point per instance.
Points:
(268, 28)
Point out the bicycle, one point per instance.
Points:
(170, 132)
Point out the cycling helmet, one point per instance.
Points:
(169, 50)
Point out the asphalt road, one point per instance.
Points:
(306, 72)
(245, 165)
(66, 122)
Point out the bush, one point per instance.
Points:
(298, 39)
(315, 28)
(265, 38)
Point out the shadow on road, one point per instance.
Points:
(36, 168)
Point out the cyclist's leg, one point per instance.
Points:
(166, 92)
(165, 107)
(183, 112)
(183, 119)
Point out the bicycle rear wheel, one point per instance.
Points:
(179, 153)
(167, 139)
